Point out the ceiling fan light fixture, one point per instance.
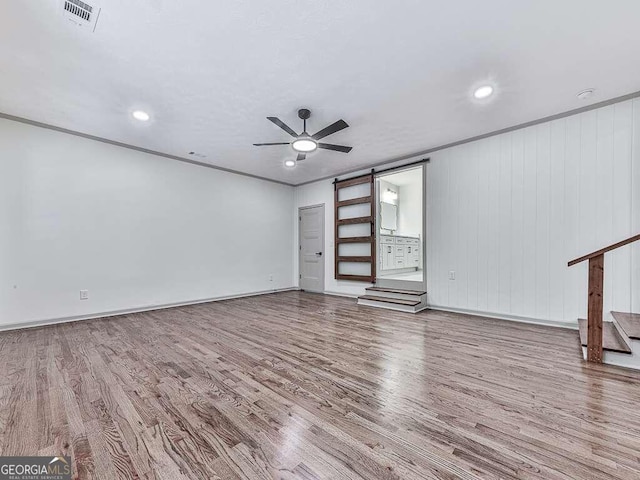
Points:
(304, 145)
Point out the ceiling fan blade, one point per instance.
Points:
(263, 144)
(301, 156)
(337, 148)
(331, 129)
(283, 126)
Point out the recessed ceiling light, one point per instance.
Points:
(289, 163)
(483, 92)
(584, 94)
(304, 144)
(140, 115)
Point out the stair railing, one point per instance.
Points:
(595, 302)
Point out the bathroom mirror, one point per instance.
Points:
(388, 216)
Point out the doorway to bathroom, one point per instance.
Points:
(400, 228)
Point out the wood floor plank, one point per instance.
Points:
(299, 385)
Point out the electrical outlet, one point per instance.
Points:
(84, 294)
(452, 275)
(271, 278)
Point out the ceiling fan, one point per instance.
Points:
(305, 143)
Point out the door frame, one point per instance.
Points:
(324, 246)
(403, 284)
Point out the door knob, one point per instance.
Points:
(319, 253)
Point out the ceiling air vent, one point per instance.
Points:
(80, 13)
(79, 9)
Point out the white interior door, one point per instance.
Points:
(311, 235)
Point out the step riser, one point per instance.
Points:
(622, 333)
(391, 306)
(401, 284)
(611, 357)
(399, 296)
(621, 359)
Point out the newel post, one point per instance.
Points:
(595, 306)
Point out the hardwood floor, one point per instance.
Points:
(297, 385)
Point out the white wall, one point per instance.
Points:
(315, 194)
(508, 212)
(134, 229)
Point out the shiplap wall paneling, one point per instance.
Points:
(516, 231)
(556, 196)
(506, 213)
(635, 211)
(620, 130)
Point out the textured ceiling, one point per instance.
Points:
(400, 73)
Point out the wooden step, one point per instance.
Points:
(397, 301)
(611, 339)
(396, 290)
(629, 322)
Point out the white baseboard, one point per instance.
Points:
(148, 308)
(512, 318)
(340, 294)
(499, 316)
